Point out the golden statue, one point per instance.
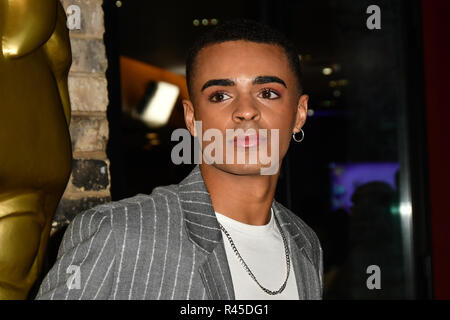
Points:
(35, 147)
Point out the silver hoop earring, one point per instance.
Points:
(299, 140)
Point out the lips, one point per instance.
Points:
(246, 141)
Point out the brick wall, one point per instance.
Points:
(89, 183)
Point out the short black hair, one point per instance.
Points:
(247, 30)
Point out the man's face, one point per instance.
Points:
(245, 85)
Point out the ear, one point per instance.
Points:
(189, 116)
(302, 111)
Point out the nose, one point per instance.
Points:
(245, 110)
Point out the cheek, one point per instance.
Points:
(285, 141)
(210, 117)
(282, 112)
(284, 122)
(209, 122)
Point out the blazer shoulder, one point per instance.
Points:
(115, 208)
(128, 212)
(90, 221)
(116, 213)
(153, 200)
(170, 191)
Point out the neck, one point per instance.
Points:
(245, 198)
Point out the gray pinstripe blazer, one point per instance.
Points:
(166, 245)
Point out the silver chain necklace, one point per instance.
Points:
(286, 251)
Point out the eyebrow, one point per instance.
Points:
(268, 79)
(218, 82)
(229, 82)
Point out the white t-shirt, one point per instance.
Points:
(262, 249)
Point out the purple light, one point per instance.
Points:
(346, 177)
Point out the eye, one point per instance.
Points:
(269, 94)
(218, 97)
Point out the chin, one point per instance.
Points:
(241, 169)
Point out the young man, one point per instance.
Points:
(219, 234)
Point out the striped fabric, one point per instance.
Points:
(166, 245)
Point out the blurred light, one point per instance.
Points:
(196, 22)
(395, 210)
(310, 112)
(152, 135)
(118, 4)
(157, 111)
(405, 209)
(177, 68)
(155, 142)
(205, 22)
(214, 21)
(327, 71)
(336, 93)
(327, 103)
(338, 83)
(355, 174)
(300, 57)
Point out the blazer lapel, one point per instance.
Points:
(301, 256)
(216, 275)
(203, 230)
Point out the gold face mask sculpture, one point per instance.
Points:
(35, 146)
